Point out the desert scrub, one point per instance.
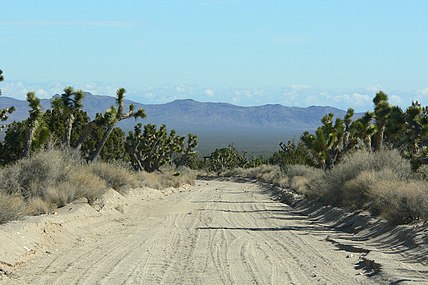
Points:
(45, 181)
(381, 182)
(31, 177)
(333, 190)
(167, 177)
(266, 173)
(116, 176)
(11, 207)
(305, 180)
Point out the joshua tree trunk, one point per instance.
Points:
(68, 129)
(102, 142)
(29, 140)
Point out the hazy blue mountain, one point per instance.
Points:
(258, 128)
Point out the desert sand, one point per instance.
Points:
(215, 232)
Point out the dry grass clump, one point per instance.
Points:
(399, 201)
(305, 180)
(47, 180)
(38, 206)
(167, 177)
(11, 207)
(61, 194)
(117, 177)
(88, 185)
(383, 193)
(381, 182)
(332, 184)
(30, 177)
(267, 173)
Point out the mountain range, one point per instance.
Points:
(257, 129)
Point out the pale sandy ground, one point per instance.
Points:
(216, 232)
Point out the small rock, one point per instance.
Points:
(349, 255)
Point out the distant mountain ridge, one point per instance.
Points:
(191, 114)
(257, 129)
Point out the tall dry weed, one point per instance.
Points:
(11, 207)
(115, 176)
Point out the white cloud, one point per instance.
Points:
(395, 100)
(209, 92)
(422, 92)
(299, 87)
(180, 89)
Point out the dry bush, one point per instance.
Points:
(267, 173)
(116, 176)
(333, 183)
(11, 207)
(167, 177)
(38, 206)
(299, 185)
(306, 180)
(61, 194)
(88, 185)
(399, 201)
(31, 176)
(355, 191)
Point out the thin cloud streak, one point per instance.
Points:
(78, 23)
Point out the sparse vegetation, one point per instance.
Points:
(344, 162)
(54, 178)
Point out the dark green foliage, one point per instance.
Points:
(291, 153)
(13, 144)
(326, 144)
(4, 113)
(111, 117)
(33, 123)
(66, 109)
(114, 148)
(382, 110)
(226, 158)
(190, 157)
(55, 122)
(151, 148)
(362, 131)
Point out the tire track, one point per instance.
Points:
(219, 233)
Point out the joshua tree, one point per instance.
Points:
(381, 114)
(112, 116)
(4, 113)
(326, 144)
(33, 121)
(347, 120)
(363, 130)
(68, 105)
(152, 148)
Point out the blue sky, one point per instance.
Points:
(245, 52)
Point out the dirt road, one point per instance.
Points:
(213, 233)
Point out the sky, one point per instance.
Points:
(245, 52)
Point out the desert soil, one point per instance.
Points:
(216, 232)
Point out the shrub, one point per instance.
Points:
(116, 177)
(11, 207)
(38, 206)
(168, 177)
(399, 201)
(30, 177)
(61, 194)
(306, 180)
(88, 185)
(354, 164)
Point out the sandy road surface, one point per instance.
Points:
(216, 233)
